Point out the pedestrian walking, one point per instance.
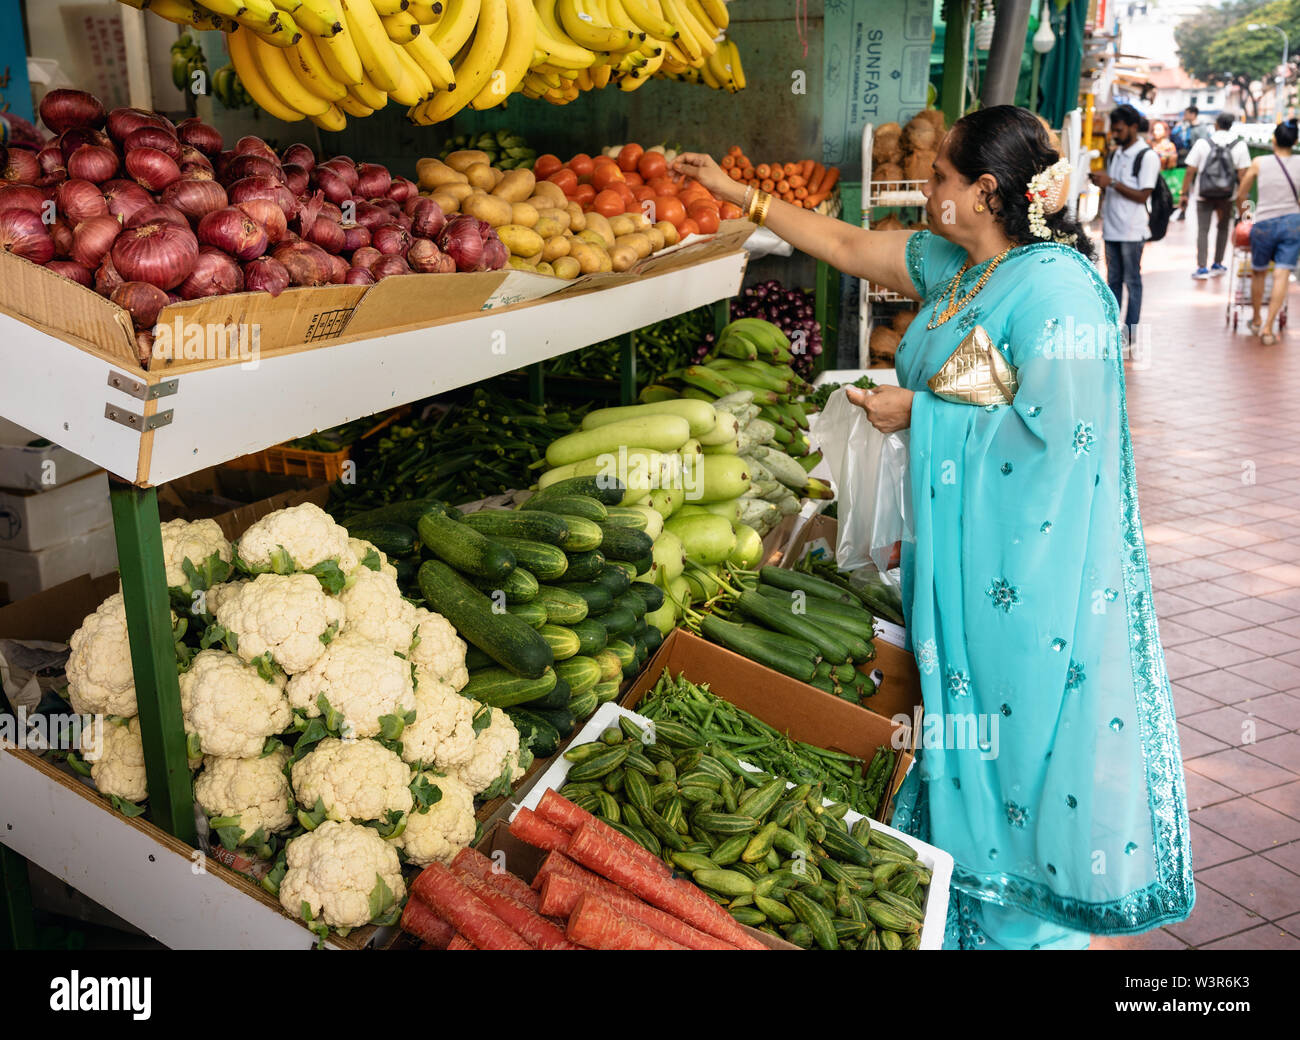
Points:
(1215, 166)
(1275, 237)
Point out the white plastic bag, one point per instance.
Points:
(873, 489)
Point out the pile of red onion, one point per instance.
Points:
(148, 212)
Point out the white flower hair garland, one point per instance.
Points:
(1046, 194)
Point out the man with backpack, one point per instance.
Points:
(1132, 177)
(1216, 165)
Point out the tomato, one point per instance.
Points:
(584, 195)
(705, 216)
(693, 193)
(566, 179)
(546, 165)
(662, 185)
(669, 208)
(632, 205)
(581, 164)
(629, 156)
(606, 174)
(633, 178)
(608, 203)
(729, 211)
(688, 227)
(642, 192)
(652, 164)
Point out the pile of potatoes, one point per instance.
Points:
(545, 232)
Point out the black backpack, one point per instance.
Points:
(1218, 180)
(1160, 206)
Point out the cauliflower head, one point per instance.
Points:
(288, 616)
(376, 611)
(362, 681)
(361, 549)
(353, 779)
(296, 539)
(495, 760)
(253, 789)
(446, 828)
(230, 707)
(197, 541)
(437, 652)
(100, 679)
(442, 734)
(119, 768)
(335, 870)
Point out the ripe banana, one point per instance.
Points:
(475, 69)
(353, 107)
(737, 70)
(648, 21)
(426, 12)
(457, 24)
(388, 7)
(717, 13)
(333, 120)
(377, 58)
(514, 60)
(339, 52)
(686, 40)
(563, 52)
(306, 64)
(704, 29)
(316, 17)
(274, 65)
(246, 67)
(368, 94)
(402, 27)
(582, 25)
(432, 61)
(415, 86)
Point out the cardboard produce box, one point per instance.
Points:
(24, 468)
(33, 520)
(23, 574)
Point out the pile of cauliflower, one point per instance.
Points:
(311, 638)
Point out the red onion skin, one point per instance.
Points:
(338, 270)
(142, 300)
(153, 137)
(242, 166)
(358, 276)
(427, 218)
(266, 274)
(264, 188)
(92, 239)
(73, 271)
(214, 274)
(51, 160)
(326, 233)
(462, 241)
(64, 109)
(389, 266)
(426, 258)
(194, 157)
(22, 196)
(495, 254)
(391, 239)
(197, 134)
(393, 209)
(235, 232)
(125, 198)
(371, 217)
(158, 252)
(331, 212)
(121, 121)
(157, 211)
(93, 162)
(270, 216)
(402, 190)
(307, 264)
(107, 278)
(366, 257)
(373, 180)
(195, 199)
(80, 200)
(23, 167)
(256, 146)
(296, 178)
(354, 237)
(327, 180)
(25, 234)
(144, 347)
(345, 168)
(300, 155)
(61, 233)
(70, 140)
(151, 169)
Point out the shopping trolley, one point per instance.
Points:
(1239, 274)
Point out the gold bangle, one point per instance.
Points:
(749, 199)
(764, 200)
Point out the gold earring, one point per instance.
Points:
(979, 208)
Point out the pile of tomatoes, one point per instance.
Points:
(637, 181)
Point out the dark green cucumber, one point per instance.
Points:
(782, 618)
(585, 566)
(626, 516)
(567, 505)
(625, 543)
(615, 578)
(607, 490)
(787, 644)
(407, 513)
(798, 581)
(519, 586)
(533, 614)
(594, 594)
(557, 698)
(563, 606)
(618, 621)
(844, 615)
(535, 730)
(406, 569)
(561, 718)
(464, 548)
(498, 688)
(631, 601)
(547, 562)
(391, 539)
(510, 523)
(564, 642)
(584, 535)
(734, 638)
(653, 639)
(628, 568)
(651, 595)
(476, 659)
(505, 638)
(643, 566)
(592, 636)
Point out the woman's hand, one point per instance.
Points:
(889, 408)
(710, 174)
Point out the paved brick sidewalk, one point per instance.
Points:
(1216, 429)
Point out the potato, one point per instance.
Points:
(463, 160)
(433, 173)
(622, 257)
(901, 321)
(587, 256)
(656, 238)
(556, 247)
(890, 222)
(458, 190)
(594, 238)
(480, 176)
(516, 185)
(551, 190)
(639, 242)
(597, 222)
(546, 269)
(520, 240)
(520, 264)
(577, 219)
(641, 221)
(449, 204)
(669, 230)
(621, 225)
(498, 175)
(567, 267)
(606, 264)
(487, 207)
(550, 222)
(522, 213)
(534, 258)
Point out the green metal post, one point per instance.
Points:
(721, 316)
(537, 383)
(627, 370)
(19, 931)
(956, 33)
(153, 659)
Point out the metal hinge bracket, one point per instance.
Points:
(141, 390)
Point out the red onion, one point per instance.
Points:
(256, 146)
(338, 270)
(80, 200)
(64, 109)
(25, 234)
(61, 232)
(222, 161)
(235, 232)
(296, 178)
(156, 211)
(23, 167)
(388, 266)
(427, 218)
(121, 121)
(242, 166)
(461, 241)
(107, 278)
(191, 156)
(266, 274)
(92, 239)
(159, 252)
(345, 168)
(214, 274)
(153, 137)
(328, 180)
(371, 216)
(70, 140)
(331, 212)
(22, 196)
(358, 276)
(300, 155)
(391, 239)
(389, 206)
(426, 258)
(152, 170)
(264, 188)
(73, 271)
(402, 189)
(495, 254)
(193, 172)
(197, 134)
(126, 198)
(307, 264)
(354, 238)
(326, 233)
(93, 162)
(367, 257)
(144, 347)
(411, 205)
(50, 158)
(269, 215)
(143, 300)
(195, 198)
(373, 180)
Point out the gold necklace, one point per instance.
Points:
(954, 305)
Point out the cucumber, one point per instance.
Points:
(606, 490)
(658, 432)
(464, 548)
(561, 718)
(699, 415)
(794, 581)
(624, 651)
(625, 566)
(391, 539)
(651, 595)
(532, 614)
(406, 570)
(644, 565)
(564, 642)
(616, 579)
(736, 639)
(505, 638)
(846, 615)
(782, 619)
(592, 636)
(618, 621)
(595, 595)
(476, 659)
(536, 731)
(632, 601)
(653, 639)
(520, 586)
(557, 698)
(611, 665)
(625, 543)
(510, 523)
(567, 505)
(563, 606)
(581, 673)
(547, 562)
(606, 690)
(584, 704)
(407, 513)
(584, 535)
(626, 516)
(497, 688)
(585, 566)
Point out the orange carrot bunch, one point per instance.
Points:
(806, 183)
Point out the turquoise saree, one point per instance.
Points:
(1050, 766)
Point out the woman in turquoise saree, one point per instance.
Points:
(1055, 779)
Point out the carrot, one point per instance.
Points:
(598, 926)
(563, 881)
(474, 862)
(768, 184)
(762, 171)
(533, 928)
(556, 809)
(782, 186)
(728, 161)
(790, 168)
(464, 910)
(806, 169)
(734, 173)
(461, 943)
(420, 920)
(589, 848)
(734, 150)
(832, 175)
(786, 196)
(528, 827)
(795, 181)
(801, 193)
(815, 180)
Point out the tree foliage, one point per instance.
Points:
(1215, 46)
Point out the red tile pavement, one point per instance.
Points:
(1215, 418)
